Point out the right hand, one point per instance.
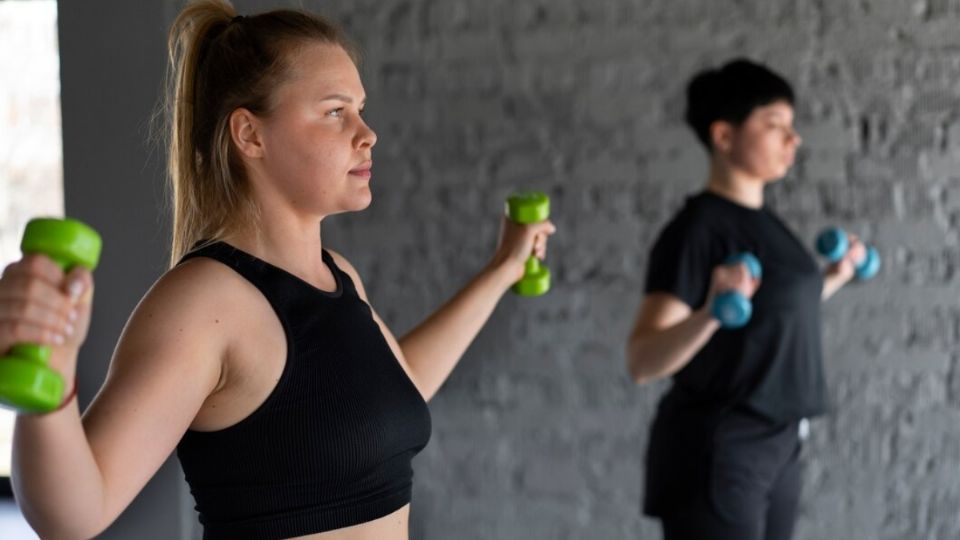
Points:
(846, 268)
(517, 243)
(40, 304)
(727, 277)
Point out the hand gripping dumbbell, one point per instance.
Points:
(833, 244)
(27, 383)
(525, 208)
(732, 308)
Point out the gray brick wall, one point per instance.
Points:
(539, 433)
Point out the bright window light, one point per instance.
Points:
(31, 150)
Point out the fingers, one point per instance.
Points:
(36, 265)
(14, 332)
(857, 251)
(34, 278)
(39, 315)
(734, 277)
(540, 232)
(34, 305)
(545, 227)
(78, 285)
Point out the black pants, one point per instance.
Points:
(752, 487)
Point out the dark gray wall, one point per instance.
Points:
(539, 433)
(112, 58)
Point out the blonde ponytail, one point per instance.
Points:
(220, 62)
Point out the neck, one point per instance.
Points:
(731, 184)
(282, 236)
(286, 241)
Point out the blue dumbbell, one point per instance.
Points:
(732, 308)
(833, 244)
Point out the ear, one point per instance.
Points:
(721, 136)
(245, 132)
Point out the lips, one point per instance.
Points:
(364, 170)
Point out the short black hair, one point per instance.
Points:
(731, 93)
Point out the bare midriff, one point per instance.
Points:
(390, 527)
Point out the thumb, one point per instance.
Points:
(78, 284)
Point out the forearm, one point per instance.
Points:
(832, 282)
(660, 353)
(434, 347)
(55, 477)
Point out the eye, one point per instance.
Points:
(336, 113)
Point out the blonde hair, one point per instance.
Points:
(220, 62)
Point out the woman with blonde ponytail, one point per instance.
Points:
(293, 409)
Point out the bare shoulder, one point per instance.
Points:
(190, 307)
(197, 287)
(176, 339)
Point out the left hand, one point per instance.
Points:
(517, 243)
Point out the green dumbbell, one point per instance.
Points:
(27, 383)
(526, 208)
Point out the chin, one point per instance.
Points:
(776, 174)
(362, 201)
(772, 179)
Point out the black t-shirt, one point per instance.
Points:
(773, 365)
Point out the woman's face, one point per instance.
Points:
(765, 144)
(316, 147)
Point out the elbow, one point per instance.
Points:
(50, 524)
(641, 378)
(636, 367)
(53, 530)
(48, 528)
(646, 362)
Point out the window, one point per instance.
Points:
(31, 155)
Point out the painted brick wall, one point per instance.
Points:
(539, 433)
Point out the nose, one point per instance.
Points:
(365, 137)
(793, 137)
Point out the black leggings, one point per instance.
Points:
(753, 490)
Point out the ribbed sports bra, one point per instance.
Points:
(331, 445)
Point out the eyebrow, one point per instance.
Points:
(778, 114)
(340, 97)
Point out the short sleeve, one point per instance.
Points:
(680, 262)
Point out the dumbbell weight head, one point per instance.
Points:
(870, 265)
(832, 244)
(732, 309)
(528, 207)
(749, 259)
(27, 384)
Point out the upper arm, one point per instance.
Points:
(659, 311)
(345, 265)
(681, 261)
(166, 363)
(678, 276)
